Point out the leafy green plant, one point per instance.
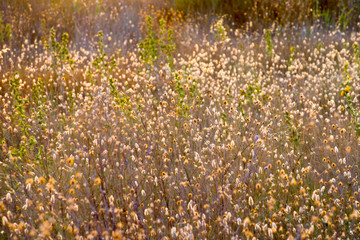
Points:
(60, 52)
(252, 91)
(269, 44)
(346, 91)
(20, 150)
(166, 42)
(122, 100)
(148, 47)
(157, 46)
(186, 91)
(220, 30)
(29, 149)
(102, 66)
(292, 131)
(19, 103)
(38, 94)
(356, 53)
(291, 57)
(223, 118)
(180, 90)
(105, 68)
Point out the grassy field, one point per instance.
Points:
(146, 123)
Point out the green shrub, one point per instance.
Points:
(157, 46)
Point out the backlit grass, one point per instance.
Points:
(187, 133)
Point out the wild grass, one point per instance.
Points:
(187, 133)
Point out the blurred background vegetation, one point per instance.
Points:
(264, 12)
(33, 19)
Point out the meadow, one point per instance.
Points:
(140, 123)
